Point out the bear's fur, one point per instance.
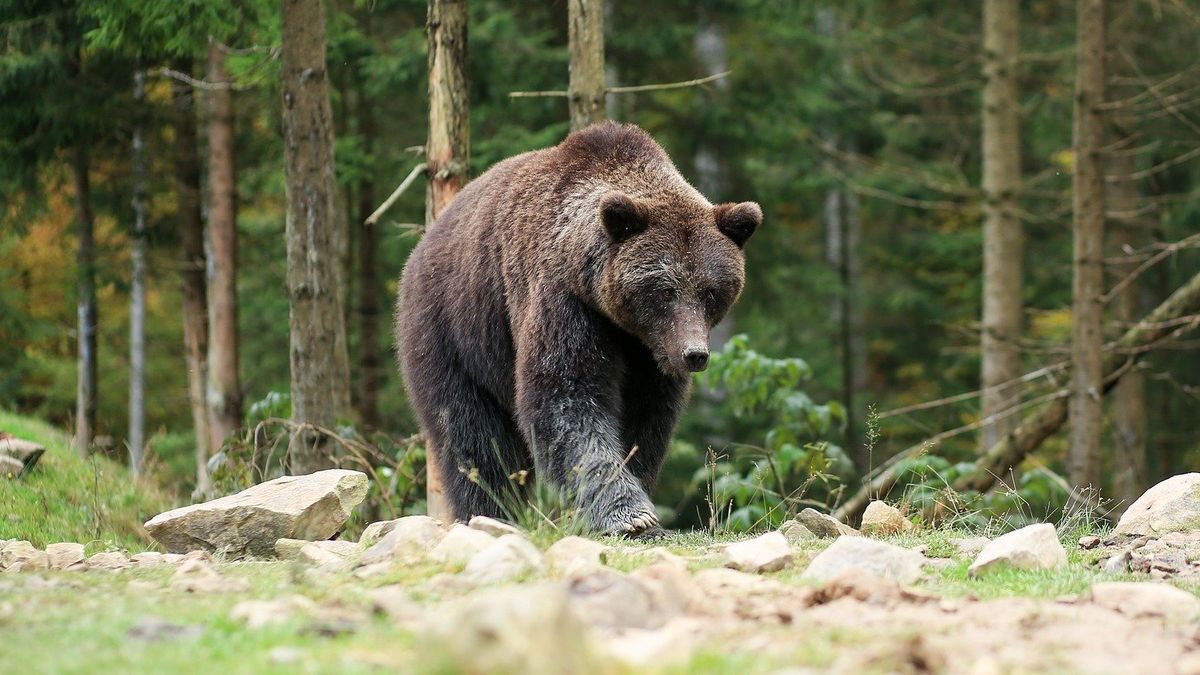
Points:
(550, 318)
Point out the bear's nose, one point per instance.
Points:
(696, 358)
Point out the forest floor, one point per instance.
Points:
(669, 606)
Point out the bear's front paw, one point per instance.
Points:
(628, 521)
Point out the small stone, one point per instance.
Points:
(661, 554)
(605, 597)
(328, 556)
(574, 553)
(378, 530)
(198, 576)
(289, 549)
(496, 528)
(1119, 563)
(1170, 506)
(411, 538)
(312, 507)
(461, 544)
(19, 556)
(1147, 599)
(881, 519)
(111, 561)
(766, 553)
(1089, 541)
(824, 525)
(65, 555)
(673, 588)
(508, 558)
(154, 559)
(795, 532)
(260, 613)
(868, 555)
(1031, 547)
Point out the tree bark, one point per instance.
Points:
(85, 395)
(447, 150)
(585, 91)
(137, 309)
(1029, 435)
(319, 363)
(1085, 405)
(224, 390)
(370, 361)
(1130, 475)
(1003, 236)
(193, 269)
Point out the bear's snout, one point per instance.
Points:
(695, 357)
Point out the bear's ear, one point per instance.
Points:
(622, 216)
(738, 221)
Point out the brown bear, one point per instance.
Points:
(552, 316)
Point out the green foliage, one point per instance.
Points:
(763, 482)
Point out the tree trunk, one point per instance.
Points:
(1003, 237)
(85, 395)
(1160, 324)
(447, 150)
(585, 91)
(370, 361)
(1130, 474)
(319, 363)
(193, 269)
(137, 302)
(224, 390)
(1083, 461)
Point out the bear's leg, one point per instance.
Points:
(568, 403)
(652, 402)
(479, 450)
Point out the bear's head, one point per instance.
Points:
(674, 268)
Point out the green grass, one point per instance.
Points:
(67, 498)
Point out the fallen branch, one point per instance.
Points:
(625, 90)
(391, 200)
(1032, 432)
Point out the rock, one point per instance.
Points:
(260, 613)
(23, 556)
(795, 532)
(198, 576)
(969, 547)
(875, 557)
(1119, 563)
(496, 528)
(1029, 548)
(10, 467)
(669, 647)
(312, 507)
(1171, 506)
(289, 549)
(1147, 599)
(328, 556)
(154, 559)
(65, 556)
(490, 632)
(25, 452)
(1089, 541)
(824, 525)
(673, 588)
(374, 570)
(508, 558)
(605, 597)
(410, 538)
(866, 587)
(110, 561)
(461, 544)
(571, 554)
(378, 530)
(661, 554)
(766, 553)
(882, 519)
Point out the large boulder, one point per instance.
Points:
(867, 555)
(312, 507)
(1171, 506)
(1029, 548)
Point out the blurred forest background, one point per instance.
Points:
(899, 150)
